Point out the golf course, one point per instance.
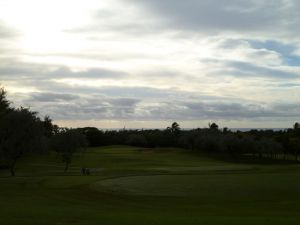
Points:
(143, 186)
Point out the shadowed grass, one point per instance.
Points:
(140, 187)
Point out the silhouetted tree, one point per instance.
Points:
(4, 103)
(94, 136)
(175, 128)
(68, 142)
(213, 126)
(232, 145)
(225, 130)
(21, 132)
(208, 143)
(295, 147)
(49, 127)
(137, 140)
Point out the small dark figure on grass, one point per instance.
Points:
(85, 171)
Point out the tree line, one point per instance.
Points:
(257, 143)
(22, 132)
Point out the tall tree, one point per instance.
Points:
(213, 126)
(175, 128)
(21, 133)
(68, 142)
(4, 103)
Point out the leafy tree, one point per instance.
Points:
(226, 130)
(175, 128)
(137, 140)
(213, 126)
(296, 130)
(21, 133)
(208, 143)
(49, 127)
(94, 136)
(248, 145)
(68, 142)
(4, 103)
(295, 147)
(232, 145)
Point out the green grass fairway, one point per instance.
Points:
(131, 186)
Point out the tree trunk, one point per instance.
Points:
(12, 168)
(66, 167)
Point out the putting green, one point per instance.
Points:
(221, 187)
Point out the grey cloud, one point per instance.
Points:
(219, 110)
(11, 69)
(231, 15)
(129, 21)
(230, 110)
(104, 109)
(168, 110)
(142, 92)
(293, 109)
(244, 69)
(231, 43)
(81, 107)
(43, 77)
(52, 97)
(98, 104)
(64, 102)
(124, 102)
(289, 85)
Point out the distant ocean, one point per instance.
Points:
(248, 129)
(232, 129)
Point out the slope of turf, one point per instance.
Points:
(141, 187)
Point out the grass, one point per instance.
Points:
(132, 186)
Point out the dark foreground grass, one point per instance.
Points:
(129, 186)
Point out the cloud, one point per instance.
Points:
(51, 97)
(12, 68)
(287, 51)
(93, 73)
(155, 60)
(213, 16)
(69, 106)
(122, 18)
(68, 102)
(220, 111)
(244, 69)
(7, 32)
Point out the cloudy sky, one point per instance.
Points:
(146, 63)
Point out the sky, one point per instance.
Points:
(147, 63)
